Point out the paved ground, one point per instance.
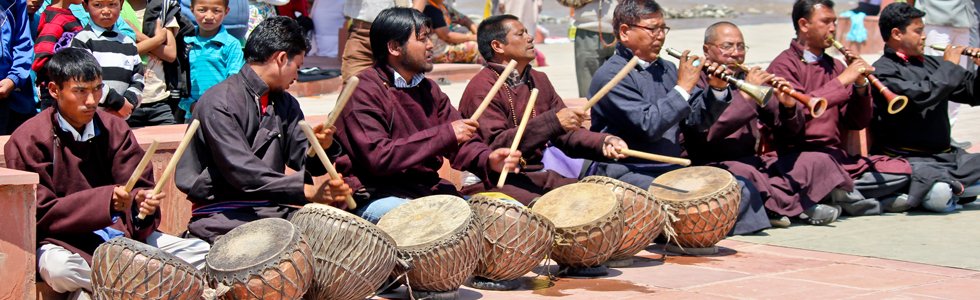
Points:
(872, 248)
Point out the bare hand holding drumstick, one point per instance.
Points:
(149, 202)
(505, 158)
(330, 191)
(465, 129)
(613, 146)
(324, 135)
(571, 118)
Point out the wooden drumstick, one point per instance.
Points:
(612, 83)
(172, 165)
(141, 166)
(324, 159)
(520, 133)
(493, 90)
(656, 157)
(339, 106)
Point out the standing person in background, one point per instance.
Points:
(949, 22)
(16, 92)
(156, 107)
(214, 54)
(361, 13)
(235, 21)
(594, 40)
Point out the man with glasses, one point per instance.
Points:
(648, 108)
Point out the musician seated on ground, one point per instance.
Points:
(399, 127)
(943, 173)
(234, 170)
(873, 180)
(83, 157)
(552, 126)
(730, 143)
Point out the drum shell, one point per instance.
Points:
(515, 240)
(703, 222)
(644, 215)
(126, 269)
(287, 276)
(591, 244)
(445, 264)
(352, 256)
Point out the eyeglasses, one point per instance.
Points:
(654, 30)
(729, 47)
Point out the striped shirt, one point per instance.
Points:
(122, 69)
(54, 23)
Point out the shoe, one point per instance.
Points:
(780, 222)
(896, 204)
(820, 214)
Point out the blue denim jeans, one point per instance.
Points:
(377, 208)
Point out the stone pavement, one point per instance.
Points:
(774, 264)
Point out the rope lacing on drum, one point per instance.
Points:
(669, 231)
(215, 293)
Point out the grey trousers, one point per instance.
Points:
(869, 190)
(589, 55)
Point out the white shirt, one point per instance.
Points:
(88, 132)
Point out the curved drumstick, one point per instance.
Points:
(141, 166)
(323, 158)
(342, 99)
(612, 83)
(172, 165)
(493, 90)
(520, 133)
(656, 157)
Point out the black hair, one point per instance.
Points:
(803, 9)
(710, 32)
(630, 12)
(273, 35)
(897, 15)
(72, 64)
(492, 29)
(195, 2)
(121, 3)
(395, 24)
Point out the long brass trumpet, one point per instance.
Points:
(761, 94)
(943, 48)
(896, 102)
(817, 105)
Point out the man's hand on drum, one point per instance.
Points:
(148, 201)
(504, 157)
(330, 191)
(612, 146)
(324, 135)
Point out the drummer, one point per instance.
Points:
(81, 198)
(399, 127)
(813, 72)
(234, 170)
(552, 126)
(655, 100)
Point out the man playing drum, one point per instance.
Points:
(920, 132)
(83, 158)
(399, 126)
(503, 38)
(234, 170)
(813, 72)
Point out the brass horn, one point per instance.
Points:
(896, 102)
(817, 105)
(761, 94)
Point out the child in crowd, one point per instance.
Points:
(122, 68)
(57, 24)
(156, 107)
(214, 53)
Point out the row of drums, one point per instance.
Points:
(433, 244)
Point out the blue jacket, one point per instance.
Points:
(16, 55)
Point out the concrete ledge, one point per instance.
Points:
(18, 237)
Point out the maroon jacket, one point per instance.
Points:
(76, 179)
(397, 138)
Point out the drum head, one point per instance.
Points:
(425, 220)
(252, 244)
(690, 183)
(576, 204)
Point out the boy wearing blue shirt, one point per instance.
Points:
(214, 54)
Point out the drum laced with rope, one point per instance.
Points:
(588, 223)
(123, 268)
(515, 241)
(352, 256)
(440, 235)
(264, 259)
(705, 200)
(645, 218)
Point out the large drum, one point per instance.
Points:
(588, 223)
(643, 215)
(705, 201)
(353, 256)
(126, 269)
(264, 259)
(441, 236)
(515, 240)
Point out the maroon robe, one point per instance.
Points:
(76, 179)
(397, 138)
(846, 110)
(498, 128)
